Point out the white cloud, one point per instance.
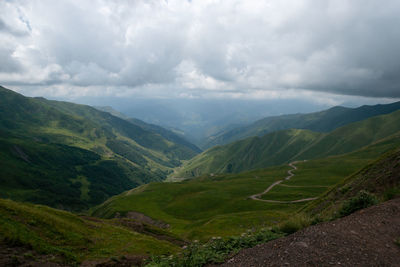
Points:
(202, 47)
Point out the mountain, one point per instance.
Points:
(73, 156)
(323, 121)
(198, 118)
(167, 134)
(288, 145)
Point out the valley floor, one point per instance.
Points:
(369, 237)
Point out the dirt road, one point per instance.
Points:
(290, 175)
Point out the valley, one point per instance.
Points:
(113, 189)
(220, 205)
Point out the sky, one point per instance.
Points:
(329, 51)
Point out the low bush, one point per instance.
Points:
(362, 200)
(215, 250)
(391, 193)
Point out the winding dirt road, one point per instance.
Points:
(290, 175)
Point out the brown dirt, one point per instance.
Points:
(140, 227)
(365, 238)
(22, 256)
(125, 261)
(143, 218)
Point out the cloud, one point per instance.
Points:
(202, 47)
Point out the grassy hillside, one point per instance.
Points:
(252, 153)
(380, 178)
(74, 156)
(289, 145)
(69, 238)
(219, 205)
(324, 121)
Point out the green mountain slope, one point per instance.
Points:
(69, 150)
(167, 134)
(219, 205)
(68, 238)
(324, 121)
(289, 145)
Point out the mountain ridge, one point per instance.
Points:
(288, 145)
(322, 121)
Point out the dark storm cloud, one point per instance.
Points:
(183, 48)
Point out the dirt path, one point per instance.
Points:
(290, 175)
(369, 237)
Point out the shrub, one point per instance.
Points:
(296, 223)
(362, 200)
(391, 193)
(214, 251)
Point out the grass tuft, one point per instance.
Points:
(296, 223)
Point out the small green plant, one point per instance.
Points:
(296, 223)
(29, 256)
(316, 220)
(15, 261)
(344, 189)
(216, 250)
(115, 259)
(362, 200)
(391, 193)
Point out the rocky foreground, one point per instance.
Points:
(370, 237)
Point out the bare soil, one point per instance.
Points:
(140, 227)
(23, 256)
(369, 237)
(143, 218)
(126, 261)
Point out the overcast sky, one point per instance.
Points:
(322, 50)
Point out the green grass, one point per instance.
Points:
(219, 205)
(283, 193)
(83, 185)
(205, 207)
(73, 238)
